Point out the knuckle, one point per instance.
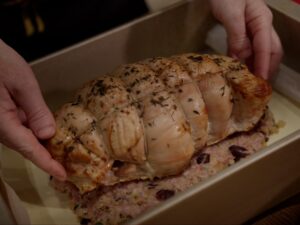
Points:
(239, 42)
(37, 115)
(235, 17)
(239, 39)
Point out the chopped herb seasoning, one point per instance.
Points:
(138, 105)
(159, 101)
(76, 206)
(70, 149)
(161, 98)
(59, 142)
(100, 87)
(190, 99)
(218, 61)
(77, 101)
(164, 194)
(222, 89)
(150, 124)
(196, 112)
(238, 152)
(196, 58)
(101, 104)
(237, 67)
(93, 124)
(117, 164)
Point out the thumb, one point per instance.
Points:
(39, 118)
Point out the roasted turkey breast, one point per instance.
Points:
(148, 119)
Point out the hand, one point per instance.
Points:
(24, 116)
(250, 32)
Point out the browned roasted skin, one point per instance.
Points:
(147, 119)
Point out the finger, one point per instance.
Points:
(259, 25)
(16, 136)
(35, 152)
(26, 93)
(262, 49)
(239, 45)
(231, 14)
(277, 53)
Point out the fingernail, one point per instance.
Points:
(45, 132)
(60, 178)
(60, 173)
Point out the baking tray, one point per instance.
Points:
(230, 197)
(235, 194)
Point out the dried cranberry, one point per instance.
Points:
(85, 221)
(203, 158)
(164, 194)
(238, 152)
(117, 164)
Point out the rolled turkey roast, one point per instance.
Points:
(147, 119)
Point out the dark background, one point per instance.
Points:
(35, 28)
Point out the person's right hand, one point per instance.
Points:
(24, 116)
(250, 32)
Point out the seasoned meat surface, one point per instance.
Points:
(148, 119)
